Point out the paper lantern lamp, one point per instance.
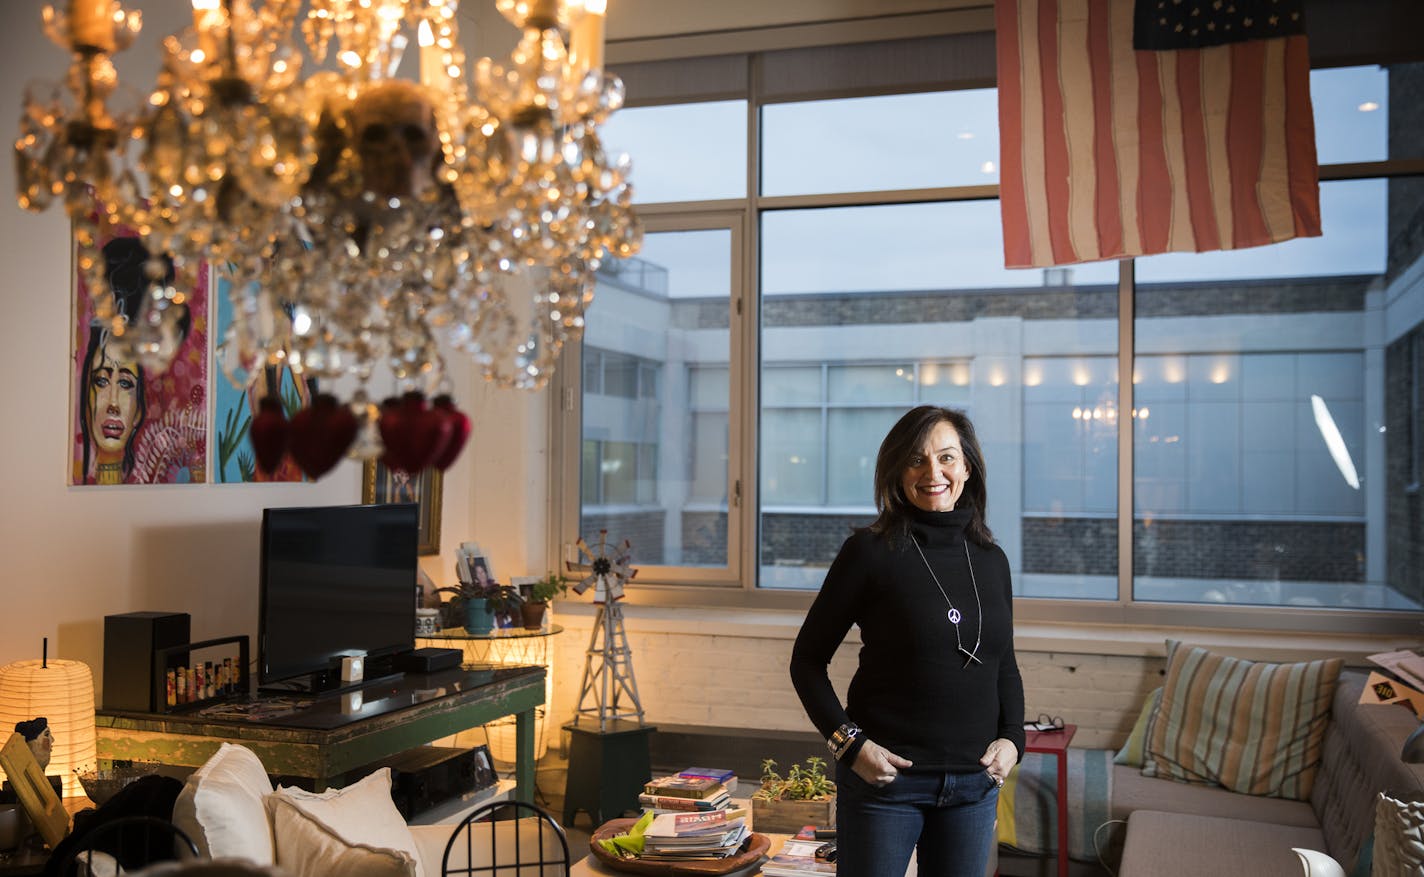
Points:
(62, 692)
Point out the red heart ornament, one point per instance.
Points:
(321, 434)
(413, 432)
(269, 432)
(459, 432)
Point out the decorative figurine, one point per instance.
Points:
(41, 741)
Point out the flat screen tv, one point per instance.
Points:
(335, 581)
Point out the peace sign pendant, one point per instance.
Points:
(954, 616)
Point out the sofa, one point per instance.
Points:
(231, 811)
(1176, 828)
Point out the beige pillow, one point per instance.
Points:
(1399, 838)
(355, 831)
(1254, 728)
(222, 806)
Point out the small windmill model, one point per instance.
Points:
(608, 663)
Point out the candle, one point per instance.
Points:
(206, 19)
(91, 24)
(586, 40)
(432, 60)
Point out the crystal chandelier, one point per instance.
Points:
(362, 222)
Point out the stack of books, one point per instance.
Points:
(689, 792)
(684, 836)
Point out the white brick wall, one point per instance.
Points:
(721, 679)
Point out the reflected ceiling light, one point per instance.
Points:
(1368, 106)
(468, 212)
(1334, 442)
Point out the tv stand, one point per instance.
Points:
(318, 741)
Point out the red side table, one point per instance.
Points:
(1055, 743)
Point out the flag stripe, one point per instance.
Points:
(1055, 140)
(1107, 152)
(1216, 79)
(1013, 206)
(1244, 142)
(1300, 133)
(1122, 76)
(1106, 217)
(1078, 131)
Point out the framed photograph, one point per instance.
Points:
(379, 484)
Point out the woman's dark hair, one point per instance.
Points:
(904, 440)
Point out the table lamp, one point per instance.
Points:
(63, 692)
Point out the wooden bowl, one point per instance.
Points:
(753, 849)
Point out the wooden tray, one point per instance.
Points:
(753, 849)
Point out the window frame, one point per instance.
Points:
(735, 586)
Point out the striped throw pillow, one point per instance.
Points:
(1251, 727)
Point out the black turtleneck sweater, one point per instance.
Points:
(912, 692)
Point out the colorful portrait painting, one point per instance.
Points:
(132, 425)
(236, 395)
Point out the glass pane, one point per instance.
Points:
(658, 330)
(791, 385)
(845, 287)
(1366, 113)
(863, 144)
(852, 443)
(888, 384)
(791, 466)
(1265, 441)
(670, 165)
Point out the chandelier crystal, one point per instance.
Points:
(364, 223)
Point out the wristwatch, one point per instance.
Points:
(841, 740)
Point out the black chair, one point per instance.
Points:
(132, 841)
(514, 838)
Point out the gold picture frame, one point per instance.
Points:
(380, 484)
(36, 795)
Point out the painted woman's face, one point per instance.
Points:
(113, 404)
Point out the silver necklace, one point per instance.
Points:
(971, 657)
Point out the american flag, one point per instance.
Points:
(1108, 152)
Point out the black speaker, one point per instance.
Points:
(129, 643)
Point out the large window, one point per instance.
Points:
(1267, 454)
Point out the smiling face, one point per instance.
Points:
(113, 404)
(935, 475)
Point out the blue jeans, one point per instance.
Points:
(948, 817)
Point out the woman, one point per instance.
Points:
(934, 715)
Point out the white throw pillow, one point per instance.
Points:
(355, 831)
(223, 806)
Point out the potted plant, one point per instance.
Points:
(540, 593)
(805, 796)
(477, 603)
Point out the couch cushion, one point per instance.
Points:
(1251, 727)
(1361, 760)
(354, 831)
(1131, 752)
(1178, 845)
(222, 806)
(1131, 791)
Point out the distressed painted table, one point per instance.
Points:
(323, 739)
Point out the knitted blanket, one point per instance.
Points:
(1028, 803)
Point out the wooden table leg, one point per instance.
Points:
(524, 756)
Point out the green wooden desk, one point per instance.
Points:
(324, 738)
